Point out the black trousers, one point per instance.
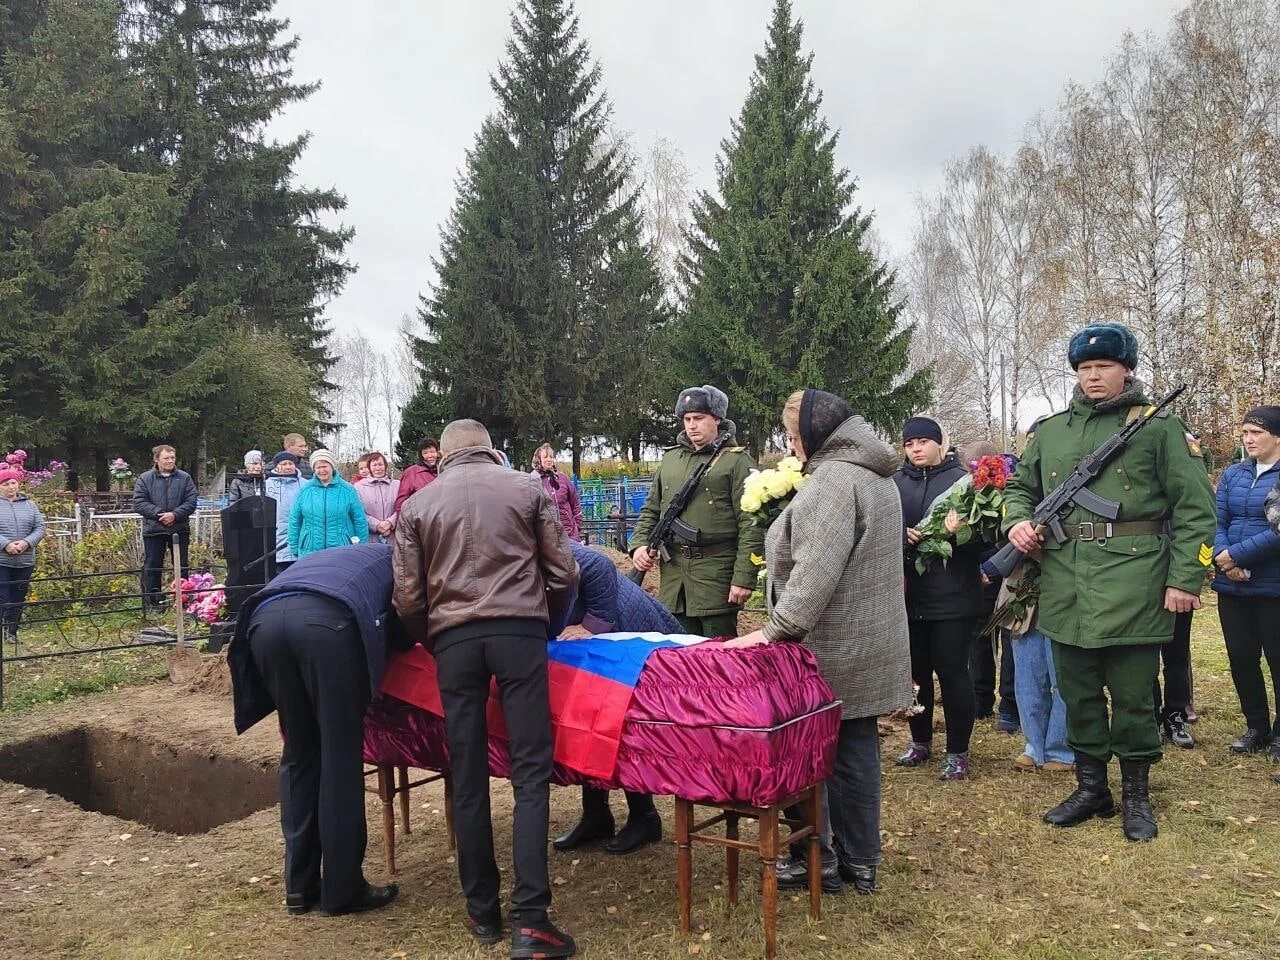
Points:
(14, 584)
(153, 551)
(942, 647)
(309, 652)
(1176, 655)
(982, 669)
(1251, 628)
(465, 669)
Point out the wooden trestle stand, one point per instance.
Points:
(387, 791)
(768, 847)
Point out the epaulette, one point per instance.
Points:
(736, 449)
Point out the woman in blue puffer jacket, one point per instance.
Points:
(1247, 556)
(327, 511)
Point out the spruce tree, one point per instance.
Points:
(153, 244)
(542, 282)
(784, 292)
(252, 253)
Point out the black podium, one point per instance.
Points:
(249, 543)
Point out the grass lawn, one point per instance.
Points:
(969, 870)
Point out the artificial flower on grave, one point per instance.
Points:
(766, 493)
(203, 599)
(975, 504)
(120, 470)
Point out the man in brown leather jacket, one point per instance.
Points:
(482, 567)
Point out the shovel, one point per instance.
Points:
(184, 658)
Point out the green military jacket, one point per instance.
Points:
(700, 587)
(1104, 592)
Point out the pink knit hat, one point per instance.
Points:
(10, 472)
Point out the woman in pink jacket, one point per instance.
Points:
(378, 494)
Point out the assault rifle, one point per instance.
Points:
(1074, 492)
(670, 523)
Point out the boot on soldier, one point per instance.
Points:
(1139, 817)
(1091, 797)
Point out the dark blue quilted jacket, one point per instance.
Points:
(606, 601)
(1243, 529)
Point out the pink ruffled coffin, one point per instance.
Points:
(707, 724)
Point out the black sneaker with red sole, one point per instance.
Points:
(540, 941)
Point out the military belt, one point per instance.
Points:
(1103, 530)
(691, 551)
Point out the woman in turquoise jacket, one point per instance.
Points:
(327, 511)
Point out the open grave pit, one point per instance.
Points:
(165, 787)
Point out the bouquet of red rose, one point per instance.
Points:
(972, 506)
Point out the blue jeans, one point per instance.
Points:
(1040, 708)
(14, 582)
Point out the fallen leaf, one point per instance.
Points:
(610, 909)
(559, 881)
(1143, 927)
(399, 955)
(125, 836)
(695, 949)
(706, 936)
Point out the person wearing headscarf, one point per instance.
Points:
(559, 488)
(248, 483)
(834, 561)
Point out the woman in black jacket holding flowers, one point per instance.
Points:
(943, 603)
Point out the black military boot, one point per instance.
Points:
(1139, 818)
(596, 823)
(1091, 797)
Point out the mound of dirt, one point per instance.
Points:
(213, 676)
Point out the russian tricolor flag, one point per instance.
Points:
(589, 682)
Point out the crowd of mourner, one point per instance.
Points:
(1082, 648)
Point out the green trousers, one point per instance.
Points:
(1126, 672)
(721, 625)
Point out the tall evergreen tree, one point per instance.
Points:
(86, 331)
(252, 253)
(543, 281)
(153, 244)
(784, 292)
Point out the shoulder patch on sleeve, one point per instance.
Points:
(1193, 445)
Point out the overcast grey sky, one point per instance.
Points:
(909, 84)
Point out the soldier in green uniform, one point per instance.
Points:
(703, 584)
(1109, 593)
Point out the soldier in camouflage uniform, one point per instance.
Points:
(703, 584)
(1110, 591)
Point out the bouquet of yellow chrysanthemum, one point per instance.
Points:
(765, 493)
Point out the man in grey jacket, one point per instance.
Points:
(165, 497)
